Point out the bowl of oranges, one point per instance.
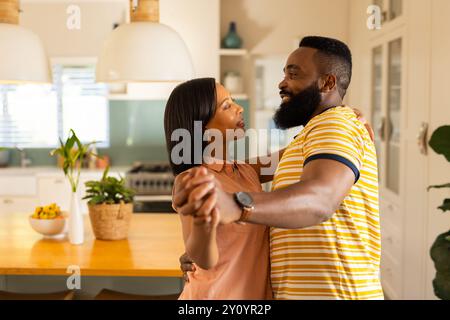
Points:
(48, 220)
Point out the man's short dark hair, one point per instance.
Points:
(333, 57)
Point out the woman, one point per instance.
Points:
(232, 261)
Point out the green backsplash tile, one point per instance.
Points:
(136, 123)
(136, 134)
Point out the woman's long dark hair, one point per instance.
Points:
(194, 100)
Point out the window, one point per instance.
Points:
(35, 116)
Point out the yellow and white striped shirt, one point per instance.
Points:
(340, 258)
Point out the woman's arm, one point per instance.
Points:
(199, 233)
(200, 240)
(266, 162)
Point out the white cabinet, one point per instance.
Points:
(398, 73)
(9, 204)
(392, 249)
(24, 190)
(18, 193)
(18, 185)
(54, 190)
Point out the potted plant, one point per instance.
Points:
(440, 251)
(73, 152)
(110, 207)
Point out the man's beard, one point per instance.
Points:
(299, 109)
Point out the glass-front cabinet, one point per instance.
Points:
(390, 9)
(387, 65)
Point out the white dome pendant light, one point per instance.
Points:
(144, 50)
(22, 55)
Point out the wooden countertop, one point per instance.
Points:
(152, 249)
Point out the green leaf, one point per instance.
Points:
(109, 190)
(56, 151)
(76, 156)
(445, 206)
(440, 141)
(447, 185)
(105, 173)
(69, 144)
(78, 142)
(97, 199)
(66, 166)
(447, 238)
(61, 143)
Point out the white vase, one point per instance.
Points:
(76, 225)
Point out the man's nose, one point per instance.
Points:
(282, 85)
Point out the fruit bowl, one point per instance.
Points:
(49, 220)
(48, 227)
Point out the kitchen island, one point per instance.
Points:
(152, 249)
(146, 263)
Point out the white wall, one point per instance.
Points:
(48, 20)
(359, 92)
(271, 27)
(197, 22)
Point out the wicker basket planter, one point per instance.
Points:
(111, 221)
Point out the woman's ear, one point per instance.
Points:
(327, 83)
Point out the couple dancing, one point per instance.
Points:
(317, 234)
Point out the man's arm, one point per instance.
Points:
(324, 185)
(331, 168)
(312, 201)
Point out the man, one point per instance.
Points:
(323, 208)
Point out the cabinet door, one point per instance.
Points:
(18, 185)
(390, 9)
(393, 116)
(18, 204)
(54, 190)
(387, 112)
(377, 96)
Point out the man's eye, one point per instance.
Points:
(226, 105)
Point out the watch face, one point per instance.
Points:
(244, 199)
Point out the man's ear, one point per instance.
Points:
(327, 83)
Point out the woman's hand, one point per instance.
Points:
(186, 265)
(194, 193)
(363, 120)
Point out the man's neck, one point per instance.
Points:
(325, 106)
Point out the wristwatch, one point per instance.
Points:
(245, 201)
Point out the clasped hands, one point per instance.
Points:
(199, 194)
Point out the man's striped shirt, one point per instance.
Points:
(340, 258)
